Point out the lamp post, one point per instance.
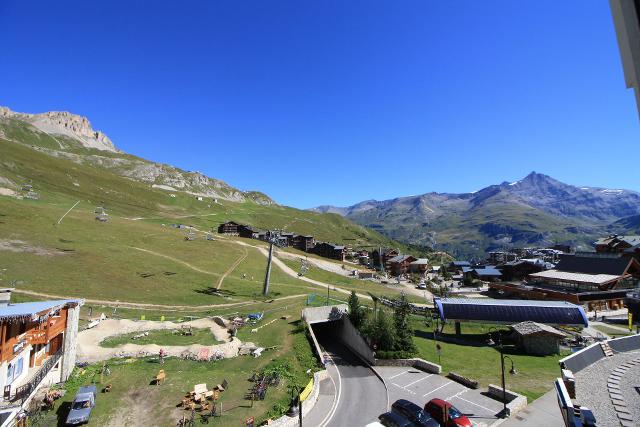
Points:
(296, 404)
(505, 411)
(512, 371)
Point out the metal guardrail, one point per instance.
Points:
(25, 390)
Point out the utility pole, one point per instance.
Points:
(274, 238)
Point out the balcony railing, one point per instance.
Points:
(25, 390)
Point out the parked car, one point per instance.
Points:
(446, 414)
(413, 413)
(391, 419)
(82, 405)
(422, 285)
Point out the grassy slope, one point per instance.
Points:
(98, 260)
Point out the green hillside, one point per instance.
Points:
(136, 256)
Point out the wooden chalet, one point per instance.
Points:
(228, 227)
(303, 243)
(400, 264)
(37, 346)
(329, 250)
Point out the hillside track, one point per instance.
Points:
(179, 261)
(233, 267)
(144, 306)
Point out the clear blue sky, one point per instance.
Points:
(334, 102)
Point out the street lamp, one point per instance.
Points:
(512, 371)
(296, 403)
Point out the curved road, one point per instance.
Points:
(361, 395)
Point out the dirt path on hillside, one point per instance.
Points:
(233, 267)
(145, 306)
(179, 261)
(89, 349)
(287, 270)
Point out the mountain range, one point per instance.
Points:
(537, 210)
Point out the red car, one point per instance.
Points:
(446, 414)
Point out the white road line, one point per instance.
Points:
(456, 394)
(407, 390)
(417, 381)
(491, 411)
(336, 399)
(436, 389)
(401, 373)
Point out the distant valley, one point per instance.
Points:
(534, 211)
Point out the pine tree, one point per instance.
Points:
(383, 334)
(403, 340)
(356, 313)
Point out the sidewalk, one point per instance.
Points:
(542, 412)
(325, 403)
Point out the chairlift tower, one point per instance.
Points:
(274, 239)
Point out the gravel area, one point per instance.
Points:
(592, 392)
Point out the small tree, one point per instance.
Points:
(382, 333)
(403, 340)
(356, 313)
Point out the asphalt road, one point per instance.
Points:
(361, 395)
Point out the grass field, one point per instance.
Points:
(201, 336)
(482, 363)
(614, 333)
(133, 395)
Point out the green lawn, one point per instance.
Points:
(201, 336)
(614, 333)
(482, 362)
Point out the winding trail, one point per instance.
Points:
(179, 261)
(233, 267)
(145, 306)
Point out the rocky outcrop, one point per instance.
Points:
(67, 124)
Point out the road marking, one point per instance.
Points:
(491, 411)
(407, 390)
(336, 399)
(401, 373)
(417, 381)
(456, 394)
(436, 389)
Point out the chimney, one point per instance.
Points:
(5, 296)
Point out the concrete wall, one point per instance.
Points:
(70, 343)
(351, 338)
(421, 364)
(540, 344)
(515, 402)
(323, 314)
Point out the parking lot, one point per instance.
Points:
(420, 387)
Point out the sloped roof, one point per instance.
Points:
(28, 309)
(534, 328)
(596, 279)
(461, 263)
(400, 258)
(420, 261)
(487, 271)
(511, 311)
(593, 264)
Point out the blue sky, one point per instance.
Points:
(334, 102)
